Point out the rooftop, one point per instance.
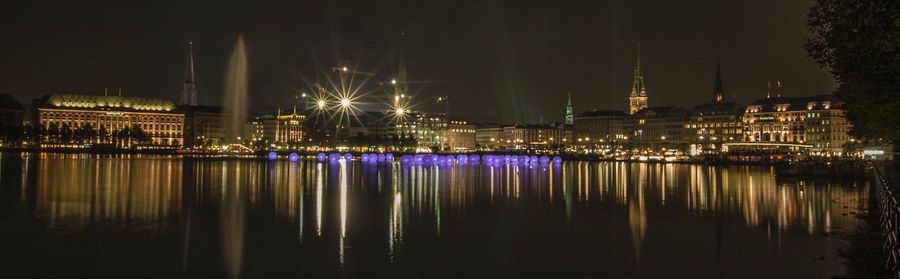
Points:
(82, 101)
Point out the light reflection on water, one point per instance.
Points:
(418, 202)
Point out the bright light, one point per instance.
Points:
(393, 81)
(345, 102)
(321, 104)
(401, 111)
(344, 69)
(303, 95)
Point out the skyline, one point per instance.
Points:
(527, 78)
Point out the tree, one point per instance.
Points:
(103, 134)
(52, 132)
(121, 135)
(65, 133)
(86, 133)
(860, 42)
(139, 135)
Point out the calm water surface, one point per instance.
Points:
(159, 217)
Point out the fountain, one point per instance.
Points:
(235, 102)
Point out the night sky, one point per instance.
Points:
(510, 61)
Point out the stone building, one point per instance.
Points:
(460, 135)
(70, 119)
(817, 121)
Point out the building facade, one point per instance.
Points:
(460, 136)
(710, 125)
(283, 128)
(72, 119)
(608, 125)
(817, 121)
(659, 127)
(202, 126)
(533, 136)
(488, 136)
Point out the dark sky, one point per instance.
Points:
(511, 61)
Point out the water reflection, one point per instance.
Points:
(75, 191)
(417, 204)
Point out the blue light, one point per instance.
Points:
(293, 157)
(545, 160)
(321, 157)
(272, 155)
(473, 158)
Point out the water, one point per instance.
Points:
(159, 217)
(235, 102)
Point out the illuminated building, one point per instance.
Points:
(638, 98)
(202, 126)
(107, 120)
(659, 127)
(817, 121)
(488, 136)
(428, 129)
(711, 124)
(532, 136)
(606, 125)
(461, 136)
(282, 128)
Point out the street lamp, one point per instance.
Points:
(320, 104)
(345, 102)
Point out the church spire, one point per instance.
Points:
(638, 98)
(718, 90)
(189, 89)
(637, 88)
(570, 118)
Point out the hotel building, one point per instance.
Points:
(816, 121)
(106, 115)
(282, 128)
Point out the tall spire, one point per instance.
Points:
(718, 90)
(769, 89)
(638, 98)
(189, 89)
(570, 118)
(637, 89)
